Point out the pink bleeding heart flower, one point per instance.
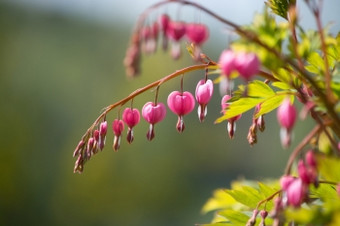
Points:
(181, 104)
(197, 33)
(296, 192)
(131, 117)
(117, 127)
(102, 134)
(227, 62)
(203, 94)
(164, 21)
(307, 174)
(285, 181)
(176, 31)
(153, 113)
(247, 64)
(231, 127)
(286, 115)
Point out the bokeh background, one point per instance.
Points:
(60, 64)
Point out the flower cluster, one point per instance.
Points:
(146, 37)
(295, 189)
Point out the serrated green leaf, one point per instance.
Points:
(270, 104)
(216, 224)
(238, 107)
(302, 215)
(323, 192)
(220, 200)
(258, 89)
(329, 168)
(324, 144)
(281, 85)
(247, 196)
(236, 217)
(283, 75)
(316, 62)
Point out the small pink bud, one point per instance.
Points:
(79, 147)
(176, 30)
(103, 128)
(247, 64)
(164, 21)
(203, 94)
(227, 62)
(153, 113)
(296, 192)
(90, 144)
(231, 126)
(286, 114)
(307, 174)
(102, 133)
(311, 159)
(197, 33)
(131, 117)
(285, 181)
(117, 127)
(96, 135)
(181, 104)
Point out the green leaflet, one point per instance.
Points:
(247, 195)
(220, 200)
(236, 218)
(270, 104)
(329, 168)
(258, 93)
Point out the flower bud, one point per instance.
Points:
(117, 127)
(286, 114)
(203, 94)
(131, 117)
(231, 126)
(153, 113)
(102, 134)
(285, 181)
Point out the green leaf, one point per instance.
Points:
(323, 192)
(238, 107)
(280, 7)
(316, 62)
(281, 85)
(329, 168)
(220, 200)
(236, 217)
(247, 195)
(258, 89)
(270, 104)
(303, 215)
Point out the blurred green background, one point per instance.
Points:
(57, 71)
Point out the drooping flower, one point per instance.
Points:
(102, 134)
(227, 62)
(181, 104)
(153, 113)
(231, 127)
(197, 33)
(176, 31)
(203, 94)
(164, 21)
(117, 127)
(247, 64)
(286, 115)
(296, 192)
(131, 117)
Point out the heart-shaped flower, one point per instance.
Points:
(231, 127)
(131, 117)
(203, 94)
(153, 113)
(181, 104)
(196, 33)
(117, 127)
